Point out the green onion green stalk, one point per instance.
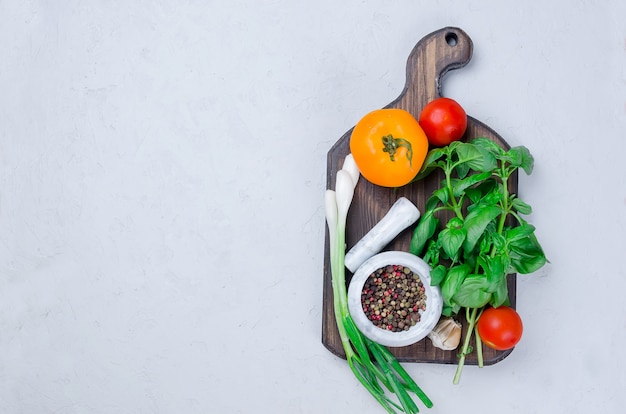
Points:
(373, 364)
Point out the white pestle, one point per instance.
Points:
(401, 215)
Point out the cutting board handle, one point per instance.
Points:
(433, 56)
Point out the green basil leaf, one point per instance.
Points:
(490, 198)
(523, 239)
(521, 157)
(493, 197)
(426, 170)
(488, 145)
(498, 241)
(528, 161)
(424, 230)
(432, 203)
(500, 296)
(433, 155)
(472, 293)
(517, 233)
(462, 170)
(528, 265)
(476, 157)
(441, 194)
(476, 222)
(451, 240)
(455, 277)
(526, 254)
(459, 186)
(452, 147)
(432, 253)
(494, 270)
(455, 223)
(437, 275)
(488, 162)
(455, 308)
(487, 187)
(521, 207)
(431, 163)
(484, 247)
(467, 152)
(513, 156)
(474, 194)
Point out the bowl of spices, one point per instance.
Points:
(391, 300)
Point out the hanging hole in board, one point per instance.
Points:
(452, 39)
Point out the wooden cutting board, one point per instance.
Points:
(446, 49)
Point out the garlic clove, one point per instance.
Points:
(446, 334)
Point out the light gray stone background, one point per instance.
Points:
(162, 168)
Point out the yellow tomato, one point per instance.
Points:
(389, 147)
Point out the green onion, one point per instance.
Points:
(373, 364)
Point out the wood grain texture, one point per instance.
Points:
(446, 49)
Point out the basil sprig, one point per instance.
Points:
(472, 231)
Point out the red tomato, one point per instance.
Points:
(500, 328)
(443, 120)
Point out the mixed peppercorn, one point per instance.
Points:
(393, 297)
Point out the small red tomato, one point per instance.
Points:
(443, 120)
(500, 328)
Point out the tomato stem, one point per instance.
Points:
(391, 145)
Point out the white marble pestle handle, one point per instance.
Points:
(401, 215)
